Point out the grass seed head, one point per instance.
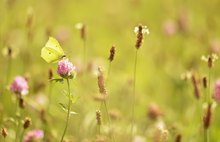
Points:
(101, 83)
(207, 116)
(140, 31)
(98, 117)
(112, 54)
(27, 123)
(4, 132)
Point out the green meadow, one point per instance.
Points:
(171, 94)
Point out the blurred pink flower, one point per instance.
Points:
(19, 85)
(65, 68)
(169, 27)
(217, 91)
(33, 135)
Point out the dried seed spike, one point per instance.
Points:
(98, 117)
(27, 122)
(140, 31)
(4, 132)
(21, 102)
(50, 74)
(210, 62)
(112, 54)
(204, 81)
(83, 32)
(101, 83)
(196, 87)
(139, 37)
(207, 117)
(178, 138)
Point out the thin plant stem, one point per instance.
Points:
(99, 129)
(68, 112)
(206, 135)
(18, 119)
(105, 103)
(109, 71)
(8, 70)
(209, 87)
(84, 54)
(208, 100)
(109, 119)
(134, 95)
(49, 93)
(22, 135)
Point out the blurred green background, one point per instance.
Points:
(181, 31)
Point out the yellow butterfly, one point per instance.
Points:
(52, 51)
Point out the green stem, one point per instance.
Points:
(208, 100)
(84, 54)
(133, 99)
(17, 114)
(49, 92)
(109, 120)
(206, 135)
(68, 112)
(8, 70)
(22, 134)
(99, 129)
(109, 71)
(209, 87)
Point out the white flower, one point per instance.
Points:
(144, 30)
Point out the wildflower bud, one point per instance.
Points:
(30, 17)
(161, 133)
(19, 85)
(98, 117)
(27, 123)
(4, 132)
(178, 138)
(83, 32)
(112, 54)
(101, 83)
(169, 27)
(204, 81)
(34, 135)
(50, 74)
(210, 62)
(153, 111)
(140, 31)
(216, 94)
(82, 28)
(9, 51)
(65, 68)
(210, 59)
(196, 87)
(207, 117)
(42, 116)
(21, 102)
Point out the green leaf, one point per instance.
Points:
(61, 80)
(63, 106)
(65, 109)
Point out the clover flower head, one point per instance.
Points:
(19, 85)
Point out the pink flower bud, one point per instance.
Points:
(19, 85)
(217, 91)
(65, 68)
(33, 135)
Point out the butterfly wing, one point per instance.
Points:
(54, 44)
(52, 51)
(50, 55)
